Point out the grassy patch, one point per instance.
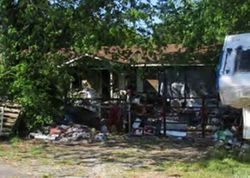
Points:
(218, 163)
(38, 150)
(15, 141)
(16, 149)
(47, 176)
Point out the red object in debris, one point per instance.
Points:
(54, 131)
(149, 130)
(114, 117)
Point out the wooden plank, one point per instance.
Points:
(12, 110)
(8, 124)
(5, 133)
(11, 115)
(7, 129)
(10, 121)
(7, 116)
(1, 119)
(10, 106)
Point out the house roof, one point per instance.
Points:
(170, 54)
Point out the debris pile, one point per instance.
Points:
(226, 138)
(69, 133)
(224, 124)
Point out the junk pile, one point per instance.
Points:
(87, 98)
(226, 138)
(69, 133)
(227, 132)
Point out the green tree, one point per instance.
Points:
(36, 37)
(200, 23)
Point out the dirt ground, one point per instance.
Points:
(120, 156)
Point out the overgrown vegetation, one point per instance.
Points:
(38, 36)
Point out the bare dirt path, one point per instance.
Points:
(7, 171)
(120, 157)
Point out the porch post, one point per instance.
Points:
(111, 84)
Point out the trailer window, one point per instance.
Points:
(243, 61)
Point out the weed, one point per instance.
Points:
(37, 150)
(14, 141)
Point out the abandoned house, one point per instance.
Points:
(187, 82)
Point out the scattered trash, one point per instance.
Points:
(104, 128)
(226, 138)
(223, 135)
(149, 130)
(75, 132)
(100, 137)
(136, 123)
(177, 134)
(138, 131)
(55, 131)
(42, 136)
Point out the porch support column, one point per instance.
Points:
(111, 84)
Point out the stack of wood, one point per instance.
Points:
(9, 116)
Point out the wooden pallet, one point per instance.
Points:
(9, 117)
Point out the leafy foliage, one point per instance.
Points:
(36, 37)
(196, 23)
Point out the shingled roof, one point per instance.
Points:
(137, 54)
(170, 54)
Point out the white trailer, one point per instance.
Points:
(234, 76)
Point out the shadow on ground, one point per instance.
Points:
(114, 157)
(131, 151)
